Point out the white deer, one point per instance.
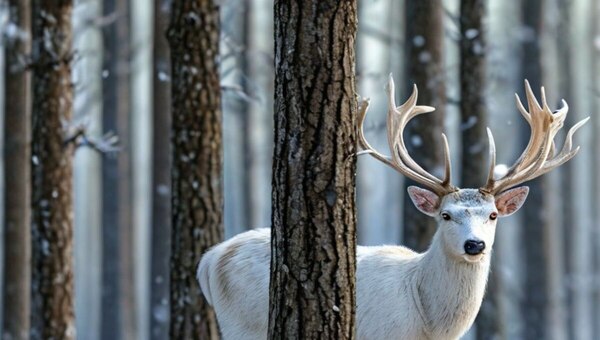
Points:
(402, 294)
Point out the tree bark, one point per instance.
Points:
(313, 242)
(118, 312)
(472, 102)
(535, 296)
(52, 230)
(197, 203)
(425, 67)
(17, 172)
(474, 119)
(161, 177)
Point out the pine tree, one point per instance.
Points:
(313, 242)
(52, 202)
(197, 203)
(17, 172)
(425, 62)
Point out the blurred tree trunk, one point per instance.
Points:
(504, 77)
(379, 50)
(474, 119)
(118, 313)
(17, 172)
(554, 247)
(595, 99)
(535, 296)
(52, 230)
(595, 103)
(425, 62)
(565, 85)
(581, 225)
(312, 288)
(161, 176)
(256, 118)
(197, 204)
(249, 184)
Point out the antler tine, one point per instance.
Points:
(368, 149)
(567, 152)
(492, 156)
(521, 108)
(406, 112)
(527, 173)
(563, 110)
(540, 120)
(539, 156)
(362, 141)
(531, 100)
(397, 119)
(447, 162)
(391, 91)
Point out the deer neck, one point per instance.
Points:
(450, 290)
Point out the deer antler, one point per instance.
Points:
(538, 157)
(397, 119)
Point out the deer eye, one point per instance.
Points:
(493, 216)
(446, 216)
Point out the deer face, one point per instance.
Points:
(467, 218)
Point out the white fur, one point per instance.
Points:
(400, 294)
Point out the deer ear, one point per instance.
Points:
(511, 200)
(426, 201)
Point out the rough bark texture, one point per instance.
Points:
(52, 230)
(474, 117)
(17, 172)
(197, 204)
(161, 177)
(425, 62)
(117, 314)
(535, 299)
(313, 243)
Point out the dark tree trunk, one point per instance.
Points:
(161, 177)
(117, 314)
(313, 243)
(472, 88)
(535, 300)
(197, 204)
(52, 204)
(17, 172)
(474, 118)
(425, 67)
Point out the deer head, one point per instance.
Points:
(467, 217)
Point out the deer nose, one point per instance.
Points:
(474, 247)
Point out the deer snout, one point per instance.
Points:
(474, 247)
